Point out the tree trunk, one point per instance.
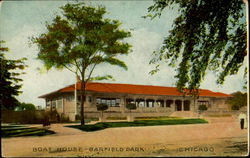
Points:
(83, 96)
(195, 106)
(102, 117)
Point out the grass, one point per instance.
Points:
(87, 120)
(104, 125)
(116, 118)
(157, 118)
(11, 126)
(18, 131)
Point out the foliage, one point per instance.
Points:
(10, 131)
(116, 118)
(237, 100)
(102, 107)
(131, 106)
(102, 125)
(9, 81)
(157, 118)
(202, 108)
(80, 40)
(207, 35)
(27, 106)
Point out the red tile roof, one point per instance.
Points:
(134, 89)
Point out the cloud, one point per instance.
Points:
(34, 82)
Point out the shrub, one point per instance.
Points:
(235, 107)
(27, 106)
(202, 107)
(131, 106)
(102, 107)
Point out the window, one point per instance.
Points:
(70, 98)
(54, 104)
(98, 100)
(108, 102)
(103, 101)
(89, 99)
(48, 103)
(113, 102)
(129, 100)
(150, 103)
(117, 102)
(203, 102)
(178, 106)
(59, 103)
(160, 103)
(169, 103)
(186, 105)
(140, 103)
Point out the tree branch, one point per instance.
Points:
(68, 68)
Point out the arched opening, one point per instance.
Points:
(150, 103)
(169, 103)
(140, 102)
(178, 106)
(160, 103)
(186, 105)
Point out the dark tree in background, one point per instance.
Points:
(207, 35)
(237, 100)
(9, 81)
(27, 106)
(80, 40)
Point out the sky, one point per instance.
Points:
(21, 20)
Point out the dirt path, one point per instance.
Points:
(61, 130)
(133, 141)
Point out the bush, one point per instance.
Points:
(64, 118)
(202, 107)
(27, 106)
(102, 107)
(116, 118)
(131, 106)
(235, 107)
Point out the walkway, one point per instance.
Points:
(217, 135)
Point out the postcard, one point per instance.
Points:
(124, 78)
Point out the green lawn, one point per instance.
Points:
(103, 125)
(158, 118)
(18, 131)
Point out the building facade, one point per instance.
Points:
(149, 100)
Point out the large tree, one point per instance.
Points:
(206, 35)
(79, 40)
(26, 106)
(9, 81)
(237, 100)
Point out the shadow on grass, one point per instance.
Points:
(19, 131)
(104, 125)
